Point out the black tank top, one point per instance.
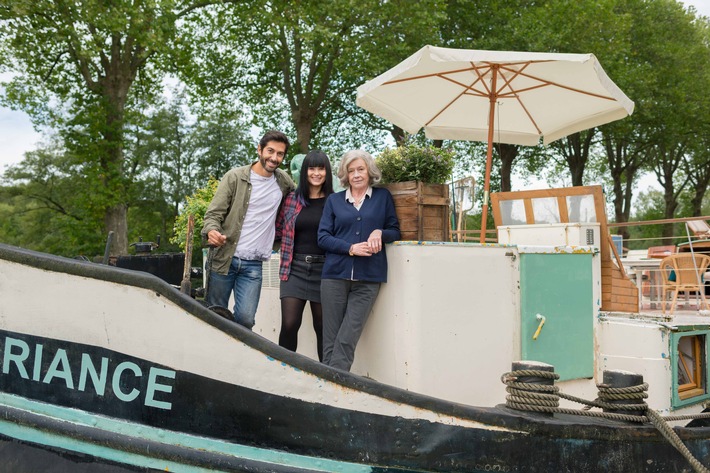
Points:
(306, 239)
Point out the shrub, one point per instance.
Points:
(415, 163)
(195, 204)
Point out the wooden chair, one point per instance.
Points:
(683, 272)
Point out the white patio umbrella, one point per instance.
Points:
(495, 96)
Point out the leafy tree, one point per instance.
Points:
(673, 104)
(94, 57)
(42, 209)
(195, 205)
(547, 26)
(649, 207)
(303, 60)
(698, 172)
(175, 154)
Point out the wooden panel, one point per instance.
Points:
(422, 210)
(562, 206)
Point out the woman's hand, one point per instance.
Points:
(374, 241)
(361, 249)
(370, 247)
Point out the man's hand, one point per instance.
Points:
(214, 238)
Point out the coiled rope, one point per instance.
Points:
(546, 398)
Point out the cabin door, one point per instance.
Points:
(558, 287)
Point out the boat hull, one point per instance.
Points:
(124, 372)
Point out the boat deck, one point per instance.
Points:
(683, 316)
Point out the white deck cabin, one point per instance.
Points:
(453, 317)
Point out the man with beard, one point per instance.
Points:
(239, 224)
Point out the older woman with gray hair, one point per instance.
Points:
(353, 229)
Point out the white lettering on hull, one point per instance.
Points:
(18, 355)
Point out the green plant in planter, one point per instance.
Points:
(195, 204)
(416, 163)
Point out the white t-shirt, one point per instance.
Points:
(256, 241)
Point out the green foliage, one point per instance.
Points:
(303, 61)
(196, 204)
(649, 206)
(89, 60)
(416, 163)
(296, 66)
(47, 205)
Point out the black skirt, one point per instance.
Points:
(303, 281)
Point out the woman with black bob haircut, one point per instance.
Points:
(301, 257)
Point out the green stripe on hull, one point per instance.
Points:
(142, 432)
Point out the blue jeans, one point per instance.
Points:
(244, 278)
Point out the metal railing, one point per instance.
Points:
(642, 256)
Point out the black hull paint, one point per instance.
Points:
(21, 457)
(506, 440)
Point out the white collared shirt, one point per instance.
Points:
(349, 197)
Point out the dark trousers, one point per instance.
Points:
(346, 307)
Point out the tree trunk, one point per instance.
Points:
(398, 135)
(670, 206)
(623, 166)
(114, 88)
(115, 220)
(575, 149)
(668, 161)
(696, 202)
(700, 180)
(303, 119)
(508, 153)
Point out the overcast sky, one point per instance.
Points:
(17, 135)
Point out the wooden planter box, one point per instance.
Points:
(422, 210)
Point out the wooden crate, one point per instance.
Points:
(422, 210)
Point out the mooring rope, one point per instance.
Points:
(545, 398)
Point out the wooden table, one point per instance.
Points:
(699, 246)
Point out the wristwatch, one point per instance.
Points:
(350, 251)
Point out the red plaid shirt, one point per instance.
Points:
(286, 230)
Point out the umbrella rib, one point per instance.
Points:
(516, 94)
(539, 131)
(463, 92)
(433, 74)
(546, 82)
(468, 88)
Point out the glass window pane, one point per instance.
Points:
(691, 366)
(546, 210)
(581, 209)
(512, 212)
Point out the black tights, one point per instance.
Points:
(291, 318)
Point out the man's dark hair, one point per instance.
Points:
(314, 159)
(274, 135)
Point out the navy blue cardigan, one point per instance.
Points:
(343, 225)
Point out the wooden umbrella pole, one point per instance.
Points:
(489, 154)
